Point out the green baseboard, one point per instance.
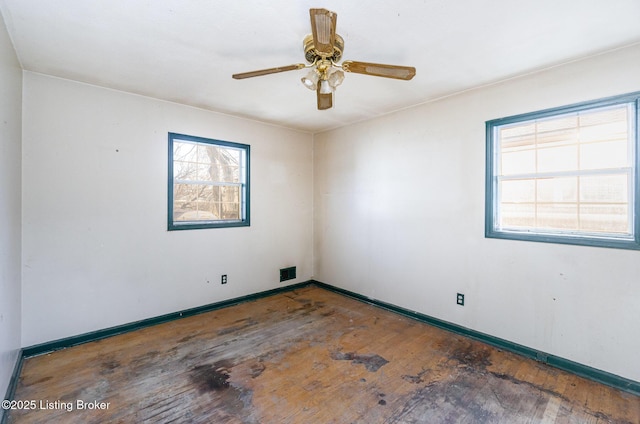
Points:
(13, 383)
(612, 380)
(600, 376)
(47, 347)
(66, 342)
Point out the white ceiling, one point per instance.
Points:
(186, 50)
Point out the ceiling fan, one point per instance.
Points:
(323, 50)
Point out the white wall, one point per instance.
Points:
(398, 205)
(399, 217)
(96, 250)
(10, 208)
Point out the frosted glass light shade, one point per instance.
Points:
(335, 78)
(325, 88)
(311, 80)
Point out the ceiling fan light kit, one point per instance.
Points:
(335, 78)
(323, 50)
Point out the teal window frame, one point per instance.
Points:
(492, 201)
(244, 220)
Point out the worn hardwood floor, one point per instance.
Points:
(306, 356)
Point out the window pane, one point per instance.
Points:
(183, 151)
(518, 162)
(604, 124)
(229, 174)
(193, 202)
(517, 144)
(230, 211)
(230, 194)
(606, 154)
(557, 216)
(557, 132)
(604, 218)
(215, 193)
(183, 197)
(206, 172)
(185, 171)
(568, 175)
(206, 210)
(217, 211)
(209, 182)
(518, 134)
(205, 194)
(230, 202)
(196, 215)
(557, 159)
(604, 189)
(514, 215)
(207, 153)
(518, 191)
(557, 190)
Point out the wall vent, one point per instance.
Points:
(287, 273)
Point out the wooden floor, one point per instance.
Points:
(306, 356)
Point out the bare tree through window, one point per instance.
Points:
(209, 181)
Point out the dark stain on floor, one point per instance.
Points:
(257, 369)
(415, 379)
(372, 362)
(209, 378)
(606, 419)
(308, 306)
(495, 397)
(241, 324)
(229, 402)
(143, 364)
(450, 401)
(186, 338)
(41, 380)
(328, 313)
(309, 302)
(513, 380)
(382, 401)
(467, 354)
(109, 366)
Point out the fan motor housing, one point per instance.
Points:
(311, 54)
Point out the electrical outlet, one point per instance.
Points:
(460, 299)
(223, 280)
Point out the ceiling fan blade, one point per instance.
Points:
(323, 28)
(268, 71)
(325, 100)
(379, 70)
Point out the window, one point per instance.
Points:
(566, 175)
(208, 183)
